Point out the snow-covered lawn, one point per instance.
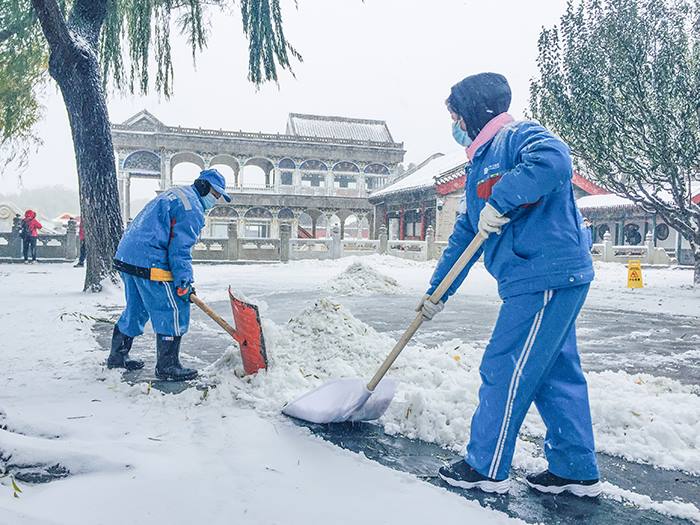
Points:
(137, 456)
(227, 456)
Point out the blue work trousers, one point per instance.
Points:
(154, 300)
(532, 356)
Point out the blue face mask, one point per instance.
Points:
(460, 135)
(208, 201)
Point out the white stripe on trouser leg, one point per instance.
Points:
(176, 313)
(514, 382)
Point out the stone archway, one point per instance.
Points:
(257, 223)
(218, 220)
(185, 167)
(228, 166)
(257, 173)
(305, 226)
(142, 167)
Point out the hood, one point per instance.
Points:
(478, 99)
(30, 214)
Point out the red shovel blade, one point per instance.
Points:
(249, 335)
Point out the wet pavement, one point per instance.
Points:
(609, 340)
(424, 459)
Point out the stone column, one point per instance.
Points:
(274, 228)
(127, 197)
(166, 178)
(383, 240)
(608, 254)
(620, 240)
(361, 185)
(330, 190)
(16, 240)
(277, 181)
(296, 181)
(649, 241)
(430, 243)
(123, 184)
(232, 249)
(285, 233)
(71, 243)
(336, 243)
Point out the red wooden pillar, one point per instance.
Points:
(401, 224)
(422, 223)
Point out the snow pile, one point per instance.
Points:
(360, 279)
(323, 342)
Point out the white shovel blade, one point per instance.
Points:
(342, 400)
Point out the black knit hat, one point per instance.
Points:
(479, 98)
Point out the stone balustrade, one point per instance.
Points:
(647, 253)
(49, 247)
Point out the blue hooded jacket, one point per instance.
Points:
(524, 171)
(163, 233)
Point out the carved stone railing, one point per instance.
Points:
(233, 248)
(359, 246)
(259, 249)
(49, 247)
(211, 250)
(414, 250)
(310, 249)
(647, 252)
(178, 130)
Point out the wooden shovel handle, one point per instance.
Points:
(211, 313)
(447, 281)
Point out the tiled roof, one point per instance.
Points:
(425, 173)
(339, 128)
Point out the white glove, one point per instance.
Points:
(429, 308)
(490, 221)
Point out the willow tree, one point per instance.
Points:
(619, 80)
(84, 45)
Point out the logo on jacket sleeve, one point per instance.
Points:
(484, 188)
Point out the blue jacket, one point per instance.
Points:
(524, 171)
(163, 233)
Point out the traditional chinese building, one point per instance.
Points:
(316, 174)
(409, 205)
(432, 195)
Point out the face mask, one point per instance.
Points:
(460, 136)
(209, 201)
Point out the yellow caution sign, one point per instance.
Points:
(634, 274)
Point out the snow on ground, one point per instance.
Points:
(360, 279)
(139, 456)
(217, 451)
(638, 417)
(667, 290)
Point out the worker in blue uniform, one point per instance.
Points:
(154, 259)
(520, 199)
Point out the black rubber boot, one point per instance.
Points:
(119, 355)
(168, 367)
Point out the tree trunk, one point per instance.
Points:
(78, 76)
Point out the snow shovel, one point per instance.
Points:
(353, 400)
(248, 332)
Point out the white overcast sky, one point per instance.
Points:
(387, 59)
